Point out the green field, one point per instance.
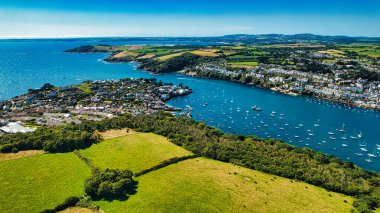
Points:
(135, 152)
(362, 49)
(203, 185)
(85, 87)
(33, 184)
(243, 64)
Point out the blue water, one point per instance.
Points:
(221, 104)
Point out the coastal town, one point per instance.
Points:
(89, 100)
(358, 92)
(348, 74)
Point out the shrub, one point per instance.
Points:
(110, 184)
(70, 201)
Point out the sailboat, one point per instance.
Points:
(317, 124)
(360, 135)
(364, 144)
(342, 129)
(373, 155)
(344, 137)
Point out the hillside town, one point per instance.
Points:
(96, 100)
(335, 84)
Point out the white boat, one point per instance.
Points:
(373, 155)
(332, 138)
(317, 124)
(368, 160)
(330, 133)
(359, 154)
(344, 137)
(256, 108)
(342, 129)
(296, 136)
(360, 135)
(345, 145)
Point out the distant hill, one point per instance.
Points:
(242, 38)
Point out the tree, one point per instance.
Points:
(110, 184)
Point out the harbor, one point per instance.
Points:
(224, 105)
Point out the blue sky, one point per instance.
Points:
(71, 18)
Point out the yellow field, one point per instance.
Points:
(334, 53)
(114, 133)
(21, 154)
(166, 57)
(206, 52)
(123, 54)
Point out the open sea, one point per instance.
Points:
(300, 121)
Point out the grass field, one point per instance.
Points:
(85, 87)
(135, 152)
(363, 49)
(203, 185)
(245, 64)
(32, 184)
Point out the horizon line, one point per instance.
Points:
(189, 36)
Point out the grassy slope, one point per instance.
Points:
(203, 185)
(243, 64)
(135, 152)
(35, 183)
(166, 57)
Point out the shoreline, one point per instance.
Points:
(275, 89)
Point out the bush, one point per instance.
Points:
(70, 201)
(110, 184)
